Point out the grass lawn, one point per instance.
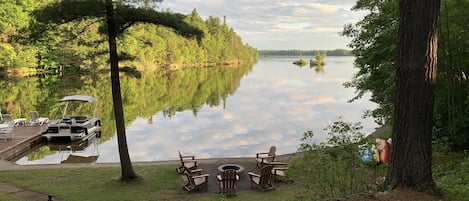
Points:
(6, 197)
(159, 182)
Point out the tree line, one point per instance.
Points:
(80, 44)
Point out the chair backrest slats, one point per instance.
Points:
(272, 150)
(34, 115)
(228, 179)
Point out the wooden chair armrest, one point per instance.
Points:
(264, 159)
(274, 171)
(267, 157)
(198, 171)
(262, 153)
(278, 163)
(189, 161)
(251, 174)
(192, 157)
(281, 168)
(201, 176)
(219, 177)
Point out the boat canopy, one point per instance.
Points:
(80, 98)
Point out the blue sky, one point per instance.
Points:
(279, 24)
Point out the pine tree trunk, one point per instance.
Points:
(126, 165)
(411, 151)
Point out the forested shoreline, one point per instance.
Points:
(336, 52)
(81, 45)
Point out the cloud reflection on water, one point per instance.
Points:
(274, 105)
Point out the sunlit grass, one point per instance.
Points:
(158, 182)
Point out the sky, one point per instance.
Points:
(279, 24)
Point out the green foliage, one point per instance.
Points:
(452, 91)
(374, 45)
(301, 62)
(333, 169)
(15, 49)
(374, 42)
(319, 59)
(450, 174)
(71, 34)
(172, 92)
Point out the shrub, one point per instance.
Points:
(333, 168)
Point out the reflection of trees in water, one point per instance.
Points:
(143, 96)
(39, 153)
(51, 148)
(319, 69)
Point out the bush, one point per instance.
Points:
(333, 169)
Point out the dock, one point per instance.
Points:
(24, 138)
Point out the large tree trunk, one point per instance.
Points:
(126, 165)
(411, 151)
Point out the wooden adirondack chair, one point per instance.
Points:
(262, 181)
(266, 157)
(279, 171)
(195, 182)
(227, 182)
(188, 162)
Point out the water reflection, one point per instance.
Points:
(222, 112)
(82, 151)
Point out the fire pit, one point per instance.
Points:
(236, 167)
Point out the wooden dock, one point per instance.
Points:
(24, 137)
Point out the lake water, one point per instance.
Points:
(274, 104)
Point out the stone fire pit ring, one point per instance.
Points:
(236, 167)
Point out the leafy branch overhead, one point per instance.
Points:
(125, 16)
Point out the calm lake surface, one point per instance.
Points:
(274, 104)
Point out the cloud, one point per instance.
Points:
(279, 24)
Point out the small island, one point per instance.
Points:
(318, 60)
(300, 62)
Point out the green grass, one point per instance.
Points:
(451, 174)
(159, 182)
(6, 197)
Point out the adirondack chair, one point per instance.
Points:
(188, 162)
(262, 181)
(227, 182)
(35, 120)
(266, 157)
(18, 122)
(192, 173)
(195, 182)
(279, 171)
(6, 130)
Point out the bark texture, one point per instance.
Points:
(411, 151)
(127, 171)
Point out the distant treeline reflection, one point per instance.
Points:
(143, 96)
